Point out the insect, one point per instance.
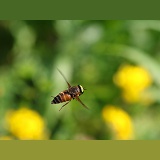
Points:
(73, 92)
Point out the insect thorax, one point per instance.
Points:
(76, 90)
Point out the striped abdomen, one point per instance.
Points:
(62, 97)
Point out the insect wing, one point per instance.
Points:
(64, 78)
(82, 103)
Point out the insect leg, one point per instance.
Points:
(64, 105)
(78, 99)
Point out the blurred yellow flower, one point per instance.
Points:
(26, 124)
(119, 122)
(133, 80)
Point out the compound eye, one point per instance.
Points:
(81, 89)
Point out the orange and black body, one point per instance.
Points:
(73, 92)
(68, 95)
(62, 97)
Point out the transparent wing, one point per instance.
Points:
(81, 102)
(64, 78)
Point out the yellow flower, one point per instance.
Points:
(26, 124)
(133, 80)
(119, 121)
(131, 95)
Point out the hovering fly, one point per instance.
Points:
(73, 92)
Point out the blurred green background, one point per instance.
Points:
(117, 61)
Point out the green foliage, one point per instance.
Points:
(88, 53)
